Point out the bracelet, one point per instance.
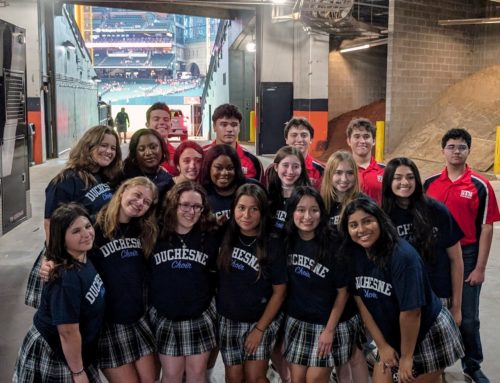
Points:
(80, 372)
(258, 329)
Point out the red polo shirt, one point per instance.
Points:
(370, 180)
(470, 199)
(169, 165)
(250, 164)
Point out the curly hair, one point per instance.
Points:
(80, 158)
(327, 191)
(171, 205)
(215, 152)
(131, 162)
(61, 219)
(108, 216)
(227, 111)
(259, 194)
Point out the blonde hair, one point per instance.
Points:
(107, 219)
(328, 192)
(80, 158)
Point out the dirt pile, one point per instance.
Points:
(337, 126)
(472, 104)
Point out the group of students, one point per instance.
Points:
(296, 265)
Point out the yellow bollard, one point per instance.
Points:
(252, 126)
(379, 141)
(496, 163)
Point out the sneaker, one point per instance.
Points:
(477, 376)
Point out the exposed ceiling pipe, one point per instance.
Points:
(489, 20)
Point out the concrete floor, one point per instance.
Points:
(19, 248)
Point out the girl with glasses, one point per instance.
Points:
(182, 311)
(252, 271)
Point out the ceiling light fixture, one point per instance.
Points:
(251, 46)
(489, 20)
(363, 45)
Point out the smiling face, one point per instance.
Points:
(247, 215)
(403, 183)
(79, 237)
(188, 212)
(361, 142)
(343, 178)
(227, 130)
(306, 217)
(222, 172)
(300, 138)
(190, 164)
(288, 169)
(149, 153)
(104, 153)
(160, 121)
(135, 202)
(364, 228)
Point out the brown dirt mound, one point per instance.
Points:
(337, 126)
(472, 103)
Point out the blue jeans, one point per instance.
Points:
(470, 314)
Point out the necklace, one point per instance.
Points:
(247, 244)
(184, 246)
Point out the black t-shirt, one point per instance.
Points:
(402, 286)
(219, 205)
(279, 219)
(181, 278)
(120, 262)
(242, 294)
(76, 296)
(446, 232)
(72, 189)
(312, 286)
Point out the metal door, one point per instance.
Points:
(275, 109)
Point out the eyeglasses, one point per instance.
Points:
(187, 207)
(452, 148)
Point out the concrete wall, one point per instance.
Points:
(356, 79)
(423, 59)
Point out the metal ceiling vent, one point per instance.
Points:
(331, 10)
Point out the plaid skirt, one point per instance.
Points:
(121, 344)
(184, 338)
(301, 343)
(33, 295)
(36, 362)
(441, 347)
(232, 335)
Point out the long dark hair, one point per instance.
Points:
(323, 235)
(233, 230)
(423, 238)
(215, 152)
(130, 164)
(60, 220)
(382, 249)
(274, 182)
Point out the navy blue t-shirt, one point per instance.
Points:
(72, 189)
(181, 277)
(242, 283)
(279, 219)
(162, 179)
(335, 210)
(76, 296)
(312, 286)
(120, 262)
(446, 232)
(402, 286)
(219, 205)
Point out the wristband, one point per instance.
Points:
(77, 373)
(258, 329)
